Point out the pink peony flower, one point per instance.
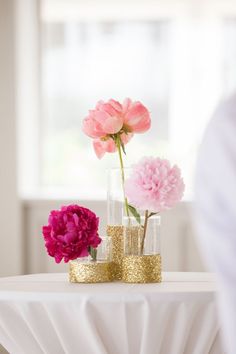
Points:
(70, 231)
(136, 116)
(110, 119)
(105, 119)
(154, 185)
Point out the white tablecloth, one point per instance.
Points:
(44, 313)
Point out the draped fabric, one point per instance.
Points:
(44, 313)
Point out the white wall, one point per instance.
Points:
(10, 235)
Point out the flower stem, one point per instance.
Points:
(144, 230)
(118, 144)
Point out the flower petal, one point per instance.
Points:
(125, 138)
(113, 125)
(127, 103)
(137, 118)
(92, 128)
(103, 146)
(98, 148)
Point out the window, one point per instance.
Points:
(86, 62)
(177, 58)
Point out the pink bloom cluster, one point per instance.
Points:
(111, 118)
(70, 231)
(154, 185)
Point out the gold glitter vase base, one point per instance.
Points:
(141, 269)
(90, 272)
(116, 234)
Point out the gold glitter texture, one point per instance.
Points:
(133, 239)
(117, 249)
(141, 269)
(90, 272)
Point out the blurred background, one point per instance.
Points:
(57, 59)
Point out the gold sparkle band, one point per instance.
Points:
(90, 272)
(141, 269)
(117, 248)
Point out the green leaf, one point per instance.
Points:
(134, 213)
(93, 252)
(151, 214)
(122, 146)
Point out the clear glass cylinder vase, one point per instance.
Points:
(115, 196)
(90, 270)
(142, 250)
(116, 210)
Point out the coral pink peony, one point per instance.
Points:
(70, 232)
(105, 119)
(154, 185)
(136, 116)
(111, 120)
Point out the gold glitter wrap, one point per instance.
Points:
(90, 272)
(141, 269)
(117, 249)
(133, 238)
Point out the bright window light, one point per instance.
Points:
(179, 66)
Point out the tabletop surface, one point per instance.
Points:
(44, 313)
(177, 282)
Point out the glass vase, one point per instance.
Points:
(142, 250)
(115, 212)
(88, 270)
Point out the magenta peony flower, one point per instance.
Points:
(111, 120)
(154, 185)
(70, 232)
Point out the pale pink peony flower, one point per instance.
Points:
(110, 119)
(105, 119)
(70, 232)
(154, 185)
(136, 116)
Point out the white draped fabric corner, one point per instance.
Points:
(44, 313)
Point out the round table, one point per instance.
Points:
(44, 313)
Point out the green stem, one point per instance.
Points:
(118, 144)
(144, 230)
